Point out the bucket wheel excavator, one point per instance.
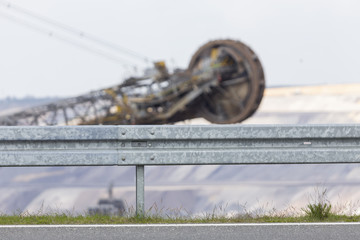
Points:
(224, 83)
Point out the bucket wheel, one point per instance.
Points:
(241, 82)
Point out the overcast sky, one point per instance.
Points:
(299, 42)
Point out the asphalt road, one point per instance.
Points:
(293, 231)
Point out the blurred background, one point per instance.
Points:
(309, 50)
(299, 42)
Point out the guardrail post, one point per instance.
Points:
(140, 185)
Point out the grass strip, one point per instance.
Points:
(63, 219)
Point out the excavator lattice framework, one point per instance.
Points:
(224, 83)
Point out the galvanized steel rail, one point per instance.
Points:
(177, 145)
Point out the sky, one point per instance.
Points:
(299, 42)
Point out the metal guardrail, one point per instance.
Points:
(177, 145)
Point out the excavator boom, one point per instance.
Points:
(224, 83)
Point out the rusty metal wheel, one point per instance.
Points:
(241, 81)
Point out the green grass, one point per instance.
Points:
(319, 209)
(65, 219)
